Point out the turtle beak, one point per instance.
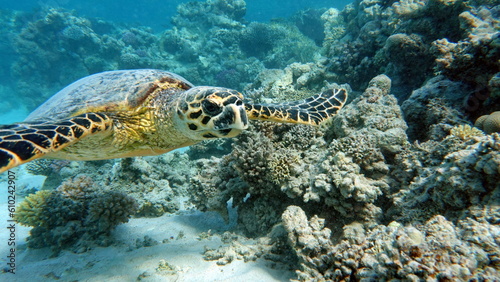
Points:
(231, 121)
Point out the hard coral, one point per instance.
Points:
(489, 123)
(29, 212)
(78, 188)
(263, 166)
(475, 58)
(432, 110)
(465, 131)
(457, 177)
(110, 209)
(392, 252)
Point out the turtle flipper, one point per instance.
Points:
(24, 142)
(312, 111)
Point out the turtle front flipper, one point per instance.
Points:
(312, 111)
(24, 142)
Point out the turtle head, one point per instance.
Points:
(211, 112)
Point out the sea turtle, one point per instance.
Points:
(143, 112)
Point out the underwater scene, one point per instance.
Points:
(232, 140)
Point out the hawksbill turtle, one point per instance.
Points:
(144, 112)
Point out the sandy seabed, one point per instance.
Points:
(125, 261)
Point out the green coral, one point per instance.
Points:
(30, 211)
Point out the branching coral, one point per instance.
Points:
(341, 185)
(465, 131)
(29, 212)
(79, 188)
(49, 168)
(110, 209)
(281, 164)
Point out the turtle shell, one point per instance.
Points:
(106, 91)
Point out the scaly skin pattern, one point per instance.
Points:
(312, 111)
(21, 143)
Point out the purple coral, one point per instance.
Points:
(130, 38)
(228, 78)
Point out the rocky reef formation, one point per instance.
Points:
(360, 180)
(273, 166)
(437, 250)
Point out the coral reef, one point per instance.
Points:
(38, 47)
(272, 166)
(437, 249)
(465, 132)
(51, 169)
(359, 174)
(76, 216)
(432, 110)
(293, 83)
(384, 38)
(475, 58)
(273, 247)
(158, 183)
(463, 175)
(210, 43)
(30, 211)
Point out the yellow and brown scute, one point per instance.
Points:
(206, 112)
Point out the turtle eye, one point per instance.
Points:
(211, 108)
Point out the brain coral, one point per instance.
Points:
(489, 123)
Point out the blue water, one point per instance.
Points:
(156, 13)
